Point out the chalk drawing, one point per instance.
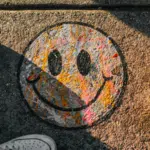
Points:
(72, 75)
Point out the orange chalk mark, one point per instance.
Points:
(77, 117)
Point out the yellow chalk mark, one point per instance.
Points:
(45, 60)
(106, 97)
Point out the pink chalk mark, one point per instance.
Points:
(88, 116)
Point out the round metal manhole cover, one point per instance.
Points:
(72, 75)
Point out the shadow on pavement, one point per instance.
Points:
(139, 20)
(135, 18)
(16, 119)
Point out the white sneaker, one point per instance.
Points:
(30, 142)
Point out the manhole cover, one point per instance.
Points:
(72, 75)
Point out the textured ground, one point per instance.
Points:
(129, 126)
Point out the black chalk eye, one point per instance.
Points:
(84, 62)
(55, 62)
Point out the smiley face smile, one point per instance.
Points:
(33, 82)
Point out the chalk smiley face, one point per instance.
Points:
(72, 75)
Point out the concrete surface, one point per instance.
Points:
(129, 126)
(80, 2)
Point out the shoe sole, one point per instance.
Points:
(46, 139)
